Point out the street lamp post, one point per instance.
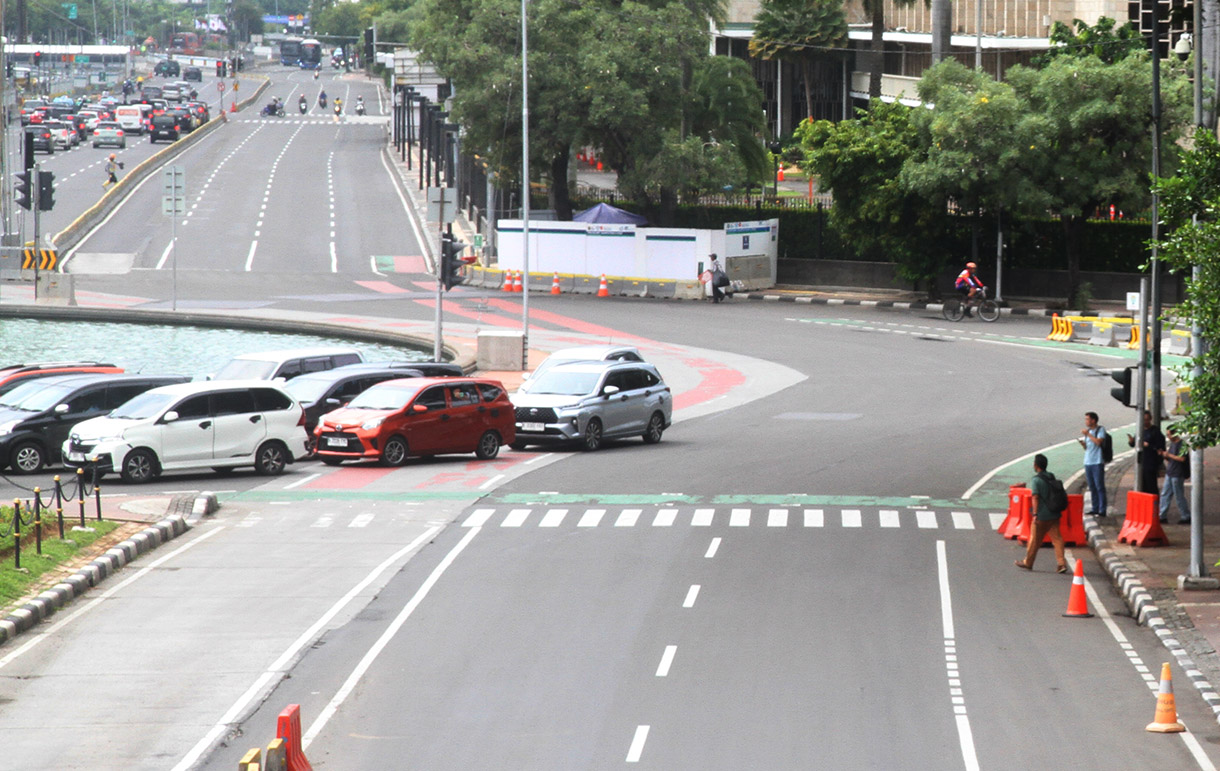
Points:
(775, 147)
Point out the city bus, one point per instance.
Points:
(185, 43)
(311, 54)
(290, 51)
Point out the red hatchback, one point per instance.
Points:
(419, 416)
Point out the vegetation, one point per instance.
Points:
(802, 32)
(15, 584)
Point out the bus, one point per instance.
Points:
(185, 43)
(311, 54)
(290, 51)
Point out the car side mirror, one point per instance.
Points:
(418, 408)
(169, 417)
(610, 390)
(61, 409)
(332, 402)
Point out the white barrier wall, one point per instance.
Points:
(748, 250)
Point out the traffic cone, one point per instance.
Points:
(517, 281)
(1078, 604)
(779, 174)
(1166, 719)
(508, 281)
(555, 284)
(233, 107)
(602, 289)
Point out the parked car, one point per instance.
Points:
(427, 368)
(588, 402)
(583, 353)
(167, 68)
(164, 127)
(325, 391)
(42, 138)
(14, 375)
(285, 365)
(192, 73)
(109, 133)
(37, 417)
(418, 417)
(188, 426)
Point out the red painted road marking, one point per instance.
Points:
(717, 380)
(452, 308)
(349, 478)
(385, 287)
(567, 322)
(412, 264)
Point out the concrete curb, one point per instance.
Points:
(45, 604)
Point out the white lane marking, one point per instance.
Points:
(637, 744)
(889, 518)
(997, 519)
(543, 456)
(946, 601)
(334, 260)
(591, 518)
(702, 518)
(323, 521)
(553, 518)
(926, 519)
(667, 660)
(367, 661)
(814, 518)
(303, 480)
(982, 481)
(712, 548)
(628, 518)
(962, 520)
(478, 517)
(165, 254)
(965, 736)
(491, 482)
(851, 518)
(739, 518)
(361, 520)
(691, 594)
(397, 183)
(665, 518)
(250, 256)
(515, 518)
(777, 518)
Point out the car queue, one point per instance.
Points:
(265, 411)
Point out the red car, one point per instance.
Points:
(418, 416)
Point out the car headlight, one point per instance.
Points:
(7, 428)
(374, 423)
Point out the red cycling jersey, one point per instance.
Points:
(967, 279)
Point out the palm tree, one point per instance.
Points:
(802, 32)
(875, 9)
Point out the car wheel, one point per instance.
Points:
(395, 451)
(271, 459)
(518, 445)
(656, 427)
(96, 145)
(331, 460)
(593, 435)
(139, 466)
(489, 446)
(28, 457)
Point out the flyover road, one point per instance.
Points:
(794, 578)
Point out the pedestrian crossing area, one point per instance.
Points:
(769, 518)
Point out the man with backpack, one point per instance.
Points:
(1097, 446)
(1049, 503)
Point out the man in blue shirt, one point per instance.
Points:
(1091, 438)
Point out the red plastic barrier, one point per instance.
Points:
(288, 728)
(1142, 526)
(1018, 507)
(1071, 522)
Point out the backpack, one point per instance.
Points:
(1057, 500)
(1107, 448)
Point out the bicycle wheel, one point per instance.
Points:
(988, 310)
(952, 310)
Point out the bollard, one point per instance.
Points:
(17, 533)
(38, 521)
(80, 493)
(97, 492)
(59, 506)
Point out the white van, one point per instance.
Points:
(285, 365)
(132, 117)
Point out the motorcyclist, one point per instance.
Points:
(360, 105)
(303, 103)
(315, 74)
(322, 99)
(338, 108)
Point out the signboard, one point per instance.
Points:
(1133, 301)
(173, 199)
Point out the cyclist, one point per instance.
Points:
(968, 285)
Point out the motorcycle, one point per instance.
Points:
(275, 110)
(360, 108)
(322, 102)
(303, 105)
(315, 74)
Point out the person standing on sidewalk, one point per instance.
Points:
(719, 278)
(1092, 436)
(1148, 454)
(1177, 471)
(1045, 521)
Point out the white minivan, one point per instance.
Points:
(133, 117)
(216, 425)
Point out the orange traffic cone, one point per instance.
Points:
(602, 289)
(233, 107)
(508, 281)
(1078, 604)
(1166, 719)
(779, 174)
(517, 281)
(555, 284)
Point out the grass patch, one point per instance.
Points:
(14, 583)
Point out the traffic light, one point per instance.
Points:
(451, 264)
(46, 191)
(37, 58)
(1123, 391)
(22, 189)
(368, 47)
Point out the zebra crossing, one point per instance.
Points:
(772, 518)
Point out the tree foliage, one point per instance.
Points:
(1105, 41)
(802, 32)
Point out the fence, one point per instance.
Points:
(36, 507)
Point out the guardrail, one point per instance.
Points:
(35, 508)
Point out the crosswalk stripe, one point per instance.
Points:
(665, 518)
(361, 520)
(777, 518)
(591, 518)
(851, 518)
(925, 519)
(323, 521)
(703, 517)
(997, 519)
(515, 518)
(478, 517)
(814, 518)
(889, 518)
(553, 518)
(739, 518)
(962, 520)
(628, 518)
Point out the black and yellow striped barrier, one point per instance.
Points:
(47, 258)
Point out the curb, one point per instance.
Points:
(897, 304)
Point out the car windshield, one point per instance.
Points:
(146, 405)
(308, 389)
(384, 397)
(245, 369)
(20, 393)
(558, 381)
(36, 397)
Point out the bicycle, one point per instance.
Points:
(987, 310)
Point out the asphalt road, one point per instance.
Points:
(793, 578)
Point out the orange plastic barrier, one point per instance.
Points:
(1071, 521)
(1141, 526)
(288, 728)
(1018, 507)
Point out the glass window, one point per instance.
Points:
(245, 369)
(233, 403)
(463, 394)
(117, 395)
(385, 397)
(490, 392)
(346, 358)
(193, 407)
(316, 364)
(433, 398)
(270, 400)
(561, 382)
(618, 379)
(143, 406)
(92, 400)
(308, 389)
(289, 370)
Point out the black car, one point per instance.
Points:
(164, 127)
(184, 117)
(149, 93)
(42, 138)
(321, 392)
(192, 73)
(167, 68)
(37, 417)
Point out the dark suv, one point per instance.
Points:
(42, 138)
(36, 418)
(192, 73)
(164, 127)
(167, 68)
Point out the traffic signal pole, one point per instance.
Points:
(37, 209)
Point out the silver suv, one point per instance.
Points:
(589, 401)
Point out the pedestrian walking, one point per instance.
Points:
(1092, 438)
(112, 171)
(1148, 454)
(1177, 471)
(1046, 519)
(720, 279)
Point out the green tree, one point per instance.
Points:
(1103, 41)
(801, 32)
(1191, 201)
(341, 19)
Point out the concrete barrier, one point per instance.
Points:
(1178, 343)
(1103, 335)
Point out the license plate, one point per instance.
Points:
(76, 456)
(533, 426)
(336, 441)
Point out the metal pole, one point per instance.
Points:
(978, 34)
(999, 254)
(34, 200)
(1142, 377)
(440, 285)
(1155, 267)
(525, 190)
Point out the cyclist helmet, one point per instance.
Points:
(971, 265)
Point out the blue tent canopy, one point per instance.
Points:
(606, 214)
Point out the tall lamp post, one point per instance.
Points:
(775, 147)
